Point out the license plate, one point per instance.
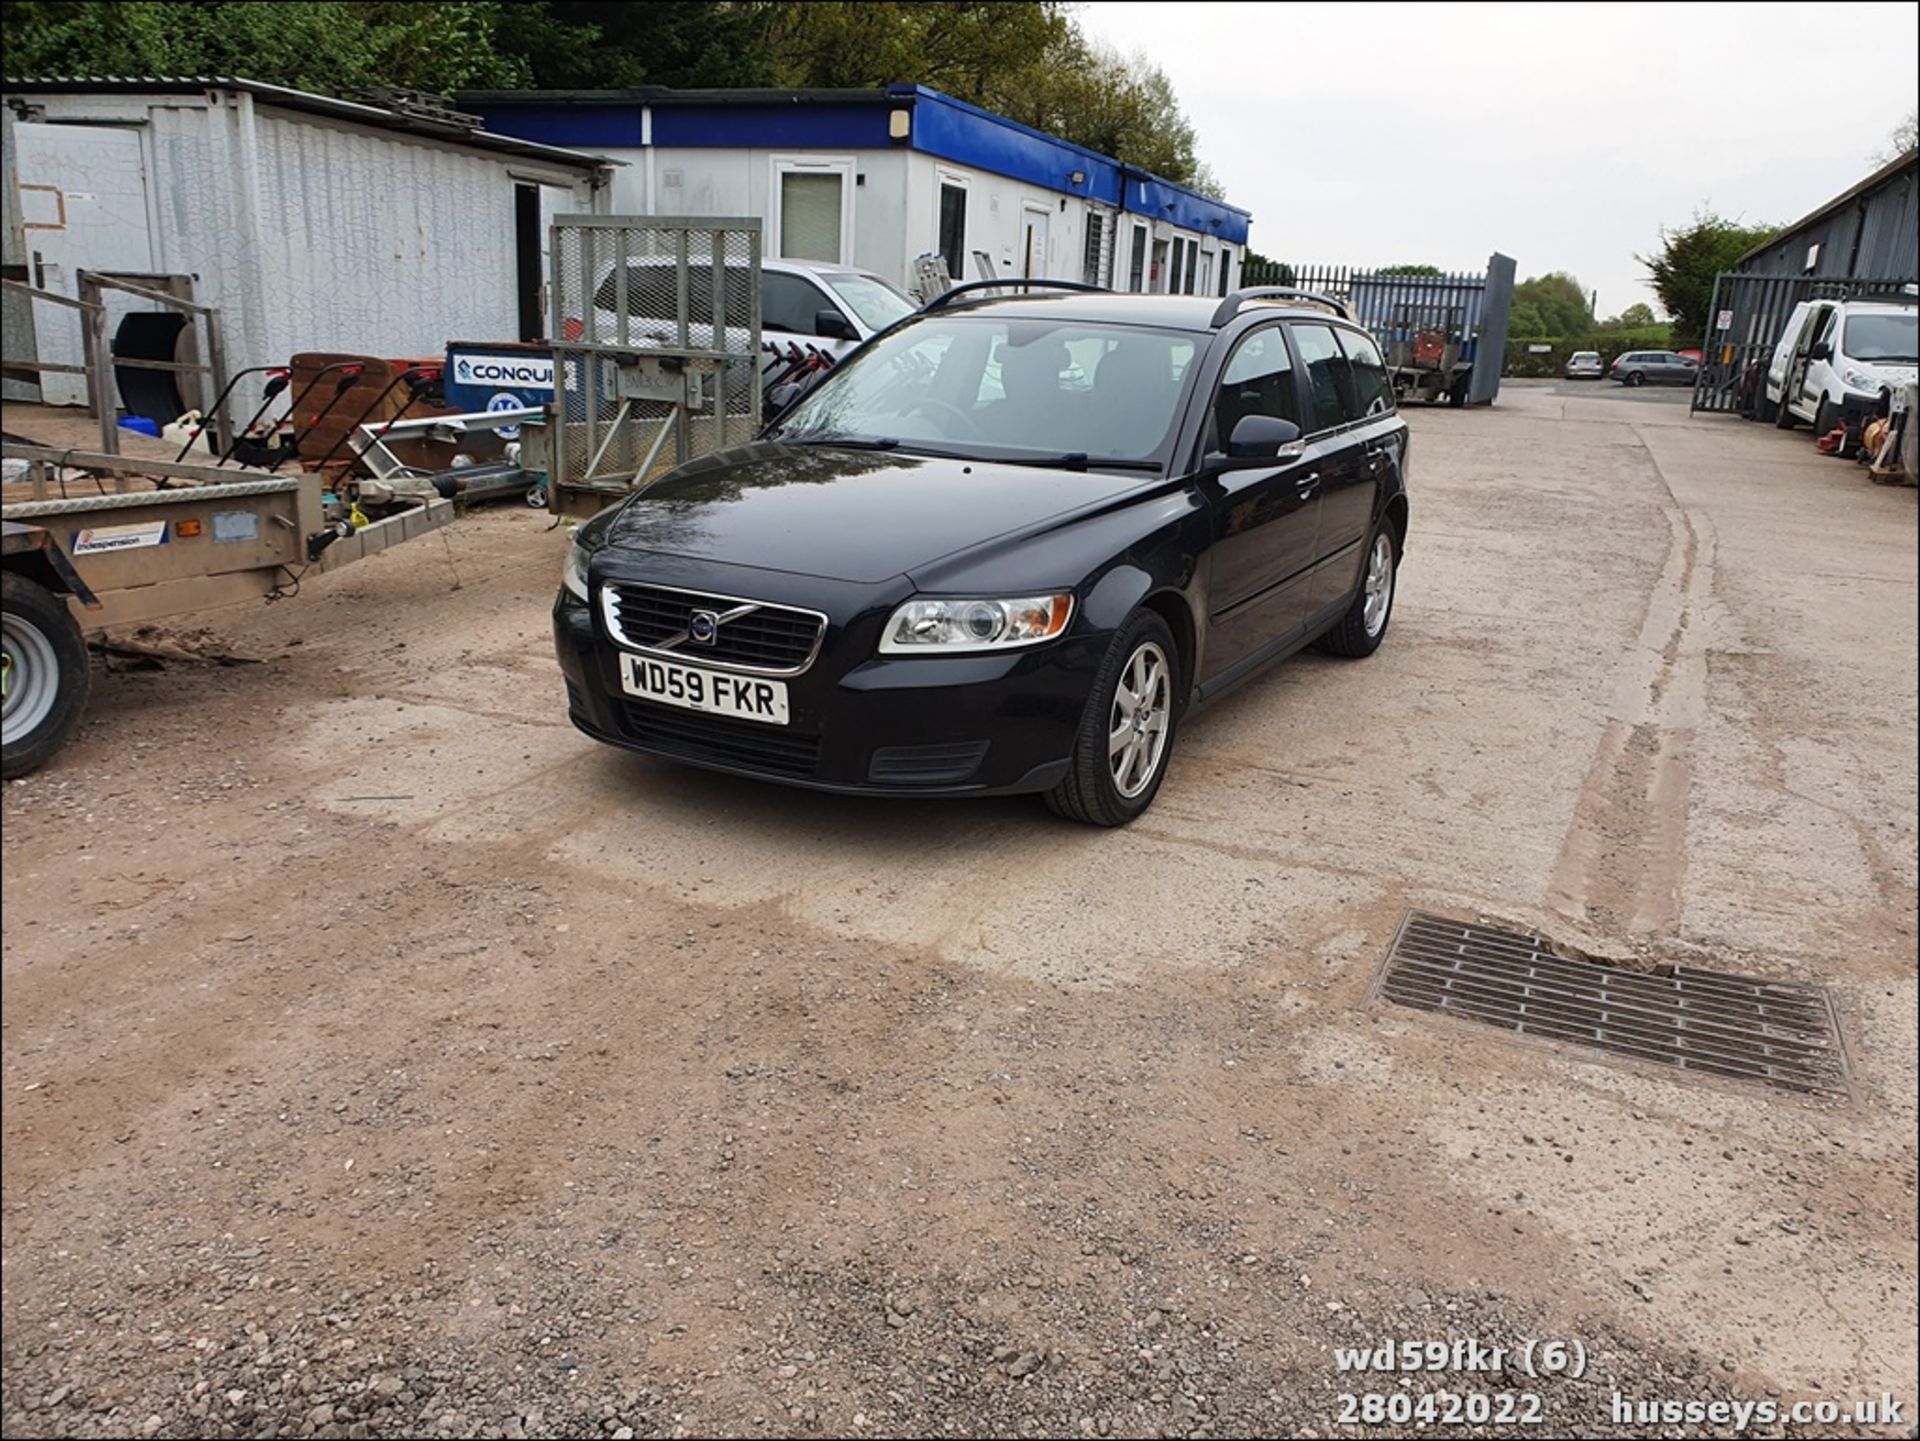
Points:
(714, 692)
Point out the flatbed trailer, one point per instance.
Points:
(168, 538)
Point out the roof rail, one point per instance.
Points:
(1230, 307)
(939, 302)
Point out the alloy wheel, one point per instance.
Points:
(1137, 725)
(1378, 594)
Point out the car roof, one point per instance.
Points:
(1168, 312)
(779, 265)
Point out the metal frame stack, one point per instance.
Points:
(654, 363)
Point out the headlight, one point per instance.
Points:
(926, 627)
(1860, 379)
(573, 575)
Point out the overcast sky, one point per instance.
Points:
(1564, 135)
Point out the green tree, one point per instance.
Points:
(1432, 270)
(1027, 59)
(1684, 268)
(1524, 322)
(1632, 318)
(327, 46)
(1258, 269)
(1556, 303)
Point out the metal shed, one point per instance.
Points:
(314, 224)
(1870, 232)
(1863, 242)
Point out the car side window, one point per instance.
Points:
(1371, 388)
(1258, 380)
(788, 303)
(1328, 377)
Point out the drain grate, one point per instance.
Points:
(1780, 1033)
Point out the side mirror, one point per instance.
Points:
(832, 325)
(1820, 350)
(1261, 437)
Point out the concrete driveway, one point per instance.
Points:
(382, 1056)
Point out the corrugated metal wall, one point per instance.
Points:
(312, 234)
(16, 311)
(1874, 237)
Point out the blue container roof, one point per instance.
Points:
(942, 126)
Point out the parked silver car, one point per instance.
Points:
(1585, 365)
(1655, 367)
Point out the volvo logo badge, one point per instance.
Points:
(703, 627)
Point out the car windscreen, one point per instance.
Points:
(877, 303)
(997, 386)
(1883, 338)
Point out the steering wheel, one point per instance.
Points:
(972, 425)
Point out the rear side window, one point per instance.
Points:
(1371, 389)
(788, 303)
(653, 293)
(1328, 377)
(1258, 380)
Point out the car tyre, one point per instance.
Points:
(1783, 418)
(1634, 378)
(1364, 626)
(1825, 417)
(1125, 739)
(47, 677)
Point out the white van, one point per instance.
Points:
(1834, 350)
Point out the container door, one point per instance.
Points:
(1033, 246)
(83, 206)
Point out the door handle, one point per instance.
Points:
(1308, 484)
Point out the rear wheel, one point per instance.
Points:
(1782, 417)
(1825, 418)
(1636, 378)
(1364, 625)
(44, 678)
(1126, 732)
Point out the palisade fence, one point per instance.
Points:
(1395, 306)
(1745, 323)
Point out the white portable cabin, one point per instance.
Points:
(313, 224)
(875, 178)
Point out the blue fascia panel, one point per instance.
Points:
(1148, 194)
(576, 126)
(723, 126)
(967, 135)
(942, 126)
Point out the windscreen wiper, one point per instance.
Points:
(835, 438)
(1078, 460)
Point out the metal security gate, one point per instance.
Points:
(1396, 308)
(1748, 316)
(656, 325)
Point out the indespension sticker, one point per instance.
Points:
(96, 539)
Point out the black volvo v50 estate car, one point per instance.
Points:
(1011, 544)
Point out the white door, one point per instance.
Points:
(1033, 243)
(83, 206)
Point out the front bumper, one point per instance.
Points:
(861, 723)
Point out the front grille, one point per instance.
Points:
(773, 639)
(926, 765)
(776, 750)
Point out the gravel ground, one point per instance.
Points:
(382, 1058)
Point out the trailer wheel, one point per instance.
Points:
(44, 676)
(1457, 396)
